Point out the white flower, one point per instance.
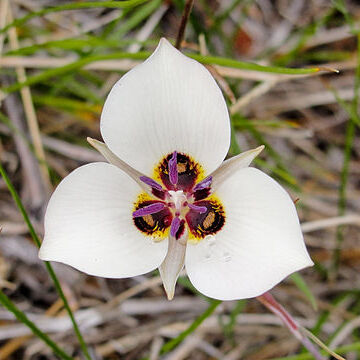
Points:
(174, 201)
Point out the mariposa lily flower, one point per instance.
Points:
(166, 198)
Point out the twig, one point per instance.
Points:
(48, 266)
(30, 112)
(345, 332)
(46, 62)
(71, 151)
(321, 344)
(350, 219)
(252, 94)
(184, 19)
(12, 345)
(155, 281)
(174, 342)
(155, 348)
(184, 349)
(97, 316)
(8, 304)
(304, 101)
(30, 171)
(214, 72)
(141, 36)
(4, 6)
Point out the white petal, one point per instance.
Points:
(173, 264)
(89, 225)
(231, 165)
(170, 102)
(261, 242)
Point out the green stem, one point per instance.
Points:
(252, 66)
(349, 143)
(209, 60)
(49, 268)
(340, 350)
(197, 322)
(9, 305)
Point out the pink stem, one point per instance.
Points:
(269, 301)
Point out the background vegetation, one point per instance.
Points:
(275, 61)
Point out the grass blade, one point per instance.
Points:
(9, 305)
(340, 350)
(354, 120)
(215, 60)
(197, 322)
(47, 74)
(49, 268)
(301, 284)
(73, 6)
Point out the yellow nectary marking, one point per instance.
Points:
(189, 172)
(141, 198)
(208, 223)
(209, 220)
(149, 220)
(154, 225)
(203, 217)
(181, 167)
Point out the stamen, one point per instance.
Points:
(151, 182)
(148, 210)
(173, 172)
(175, 225)
(203, 184)
(199, 209)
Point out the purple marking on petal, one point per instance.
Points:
(208, 223)
(203, 184)
(173, 172)
(148, 210)
(175, 224)
(199, 209)
(151, 182)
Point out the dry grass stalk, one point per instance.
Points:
(30, 111)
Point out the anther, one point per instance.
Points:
(199, 209)
(172, 166)
(175, 225)
(148, 210)
(151, 182)
(206, 183)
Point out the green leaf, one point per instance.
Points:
(302, 285)
(73, 6)
(214, 60)
(47, 74)
(198, 321)
(48, 266)
(9, 305)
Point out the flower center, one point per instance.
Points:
(179, 202)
